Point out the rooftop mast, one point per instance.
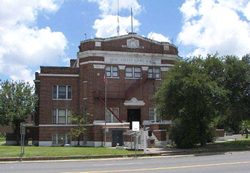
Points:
(132, 27)
(118, 22)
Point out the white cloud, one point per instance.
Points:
(24, 46)
(188, 9)
(247, 11)
(212, 26)
(158, 37)
(109, 7)
(106, 25)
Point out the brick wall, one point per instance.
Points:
(88, 86)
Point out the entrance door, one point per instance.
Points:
(134, 115)
(117, 138)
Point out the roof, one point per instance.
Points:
(129, 35)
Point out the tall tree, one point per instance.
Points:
(17, 102)
(192, 98)
(237, 82)
(246, 60)
(214, 67)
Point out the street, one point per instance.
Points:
(225, 162)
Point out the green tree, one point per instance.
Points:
(79, 130)
(237, 83)
(245, 127)
(214, 67)
(17, 102)
(246, 58)
(192, 98)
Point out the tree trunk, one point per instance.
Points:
(16, 128)
(202, 129)
(78, 141)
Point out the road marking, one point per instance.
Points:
(166, 168)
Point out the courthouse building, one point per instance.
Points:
(121, 72)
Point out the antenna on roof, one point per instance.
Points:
(118, 22)
(85, 36)
(132, 27)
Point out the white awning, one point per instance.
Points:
(134, 102)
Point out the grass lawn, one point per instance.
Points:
(32, 151)
(242, 144)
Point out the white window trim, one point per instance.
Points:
(112, 117)
(153, 73)
(57, 117)
(56, 138)
(111, 72)
(57, 92)
(133, 73)
(155, 114)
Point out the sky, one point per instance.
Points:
(36, 33)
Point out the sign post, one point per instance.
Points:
(22, 133)
(136, 129)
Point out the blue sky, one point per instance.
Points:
(75, 18)
(38, 33)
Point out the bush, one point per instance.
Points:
(186, 134)
(183, 135)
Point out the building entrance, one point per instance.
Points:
(117, 138)
(134, 115)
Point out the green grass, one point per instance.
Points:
(31, 151)
(243, 144)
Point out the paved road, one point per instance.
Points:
(227, 162)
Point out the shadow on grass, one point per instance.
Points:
(210, 153)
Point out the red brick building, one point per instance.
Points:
(132, 68)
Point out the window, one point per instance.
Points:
(153, 115)
(60, 139)
(137, 72)
(61, 116)
(62, 92)
(111, 71)
(129, 72)
(110, 117)
(133, 72)
(154, 73)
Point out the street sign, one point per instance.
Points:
(22, 130)
(135, 126)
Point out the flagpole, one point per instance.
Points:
(105, 112)
(132, 27)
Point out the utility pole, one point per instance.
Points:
(105, 112)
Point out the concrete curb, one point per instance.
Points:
(76, 157)
(165, 153)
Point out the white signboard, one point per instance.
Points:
(135, 126)
(132, 60)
